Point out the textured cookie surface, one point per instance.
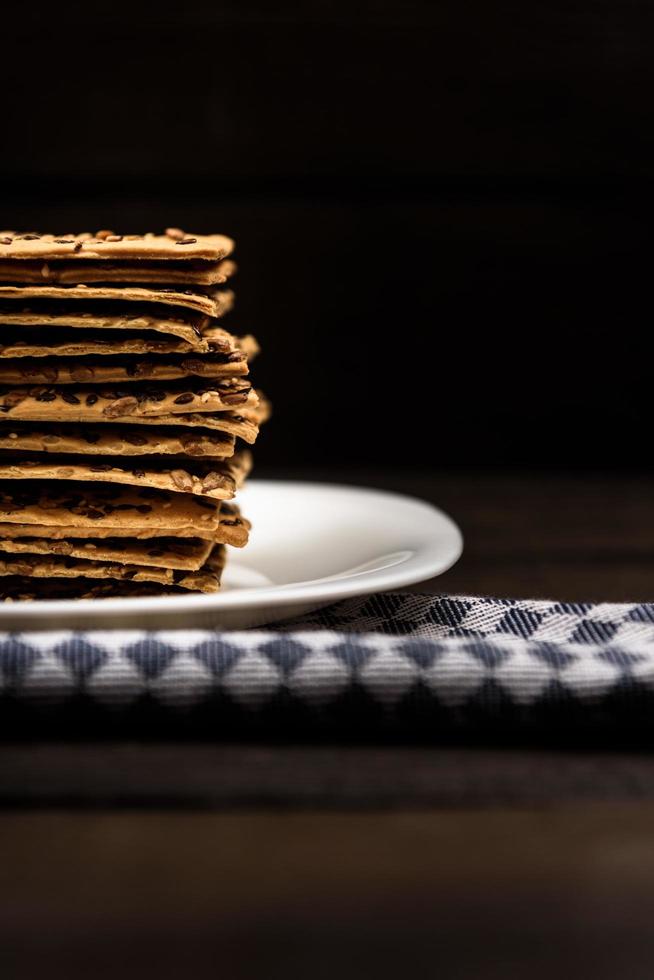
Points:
(209, 301)
(180, 547)
(238, 424)
(49, 370)
(188, 553)
(19, 588)
(72, 272)
(115, 440)
(102, 506)
(205, 579)
(219, 479)
(63, 341)
(175, 245)
(70, 403)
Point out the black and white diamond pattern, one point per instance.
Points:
(447, 651)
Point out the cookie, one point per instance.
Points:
(68, 403)
(17, 588)
(210, 301)
(175, 245)
(232, 529)
(87, 271)
(37, 342)
(205, 579)
(116, 440)
(55, 327)
(106, 370)
(218, 479)
(102, 505)
(187, 553)
(244, 423)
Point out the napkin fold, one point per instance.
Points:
(395, 661)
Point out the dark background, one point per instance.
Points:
(443, 211)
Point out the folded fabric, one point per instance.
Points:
(394, 661)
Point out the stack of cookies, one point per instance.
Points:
(125, 414)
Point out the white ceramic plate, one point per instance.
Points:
(311, 544)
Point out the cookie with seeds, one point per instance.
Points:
(205, 579)
(218, 479)
(109, 370)
(72, 403)
(207, 300)
(18, 588)
(185, 548)
(103, 506)
(116, 440)
(67, 272)
(107, 246)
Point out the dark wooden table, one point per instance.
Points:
(322, 861)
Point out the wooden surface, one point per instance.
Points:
(576, 538)
(249, 861)
(450, 893)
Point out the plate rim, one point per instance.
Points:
(418, 568)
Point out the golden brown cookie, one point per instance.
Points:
(205, 300)
(218, 479)
(18, 588)
(70, 403)
(205, 579)
(103, 505)
(244, 423)
(188, 553)
(66, 272)
(175, 245)
(108, 370)
(116, 440)
(36, 342)
(233, 529)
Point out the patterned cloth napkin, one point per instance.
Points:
(394, 661)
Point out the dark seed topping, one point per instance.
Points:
(124, 405)
(78, 246)
(91, 399)
(70, 398)
(192, 365)
(184, 399)
(186, 241)
(6, 241)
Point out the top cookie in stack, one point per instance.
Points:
(121, 402)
